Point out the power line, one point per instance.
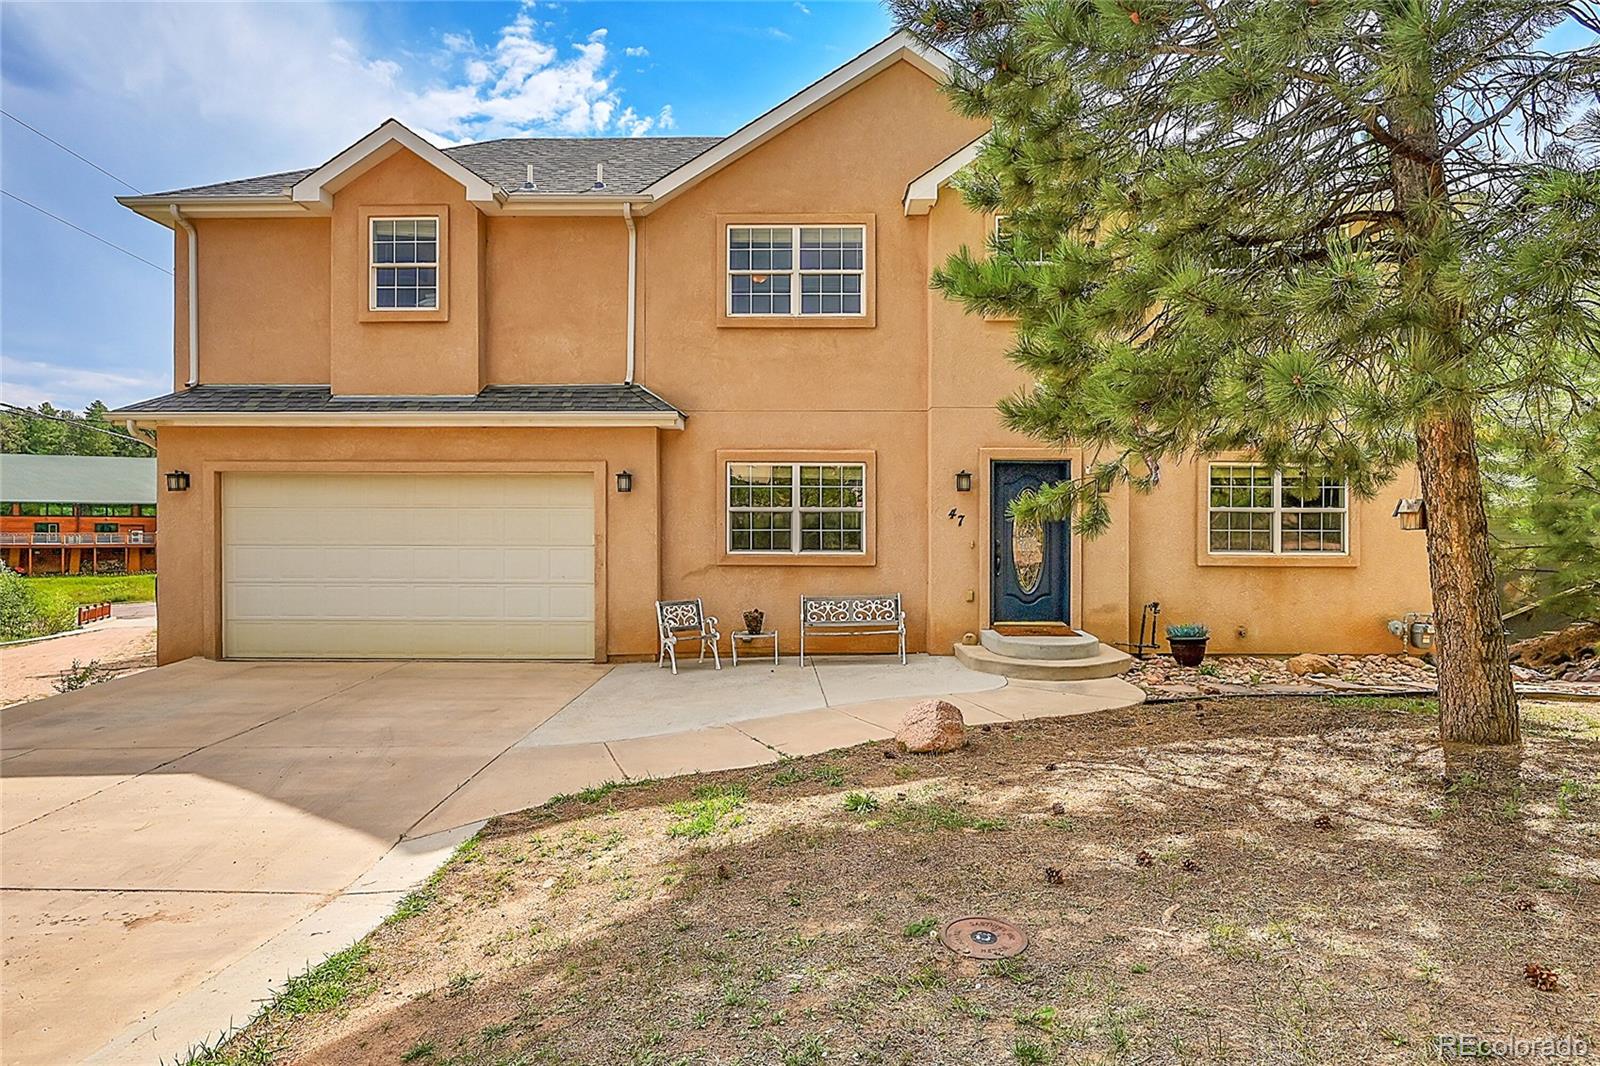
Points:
(86, 233)
(69, 151)
(80, 423)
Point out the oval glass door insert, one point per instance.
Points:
(1027, 555)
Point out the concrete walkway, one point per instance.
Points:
(177, 842)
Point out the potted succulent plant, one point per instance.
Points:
(753, 619)
(1188, 643)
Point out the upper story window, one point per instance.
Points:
(108, 510)
(797, 270)
(52, 509)
(801, 508)
(1255, 511)
(405, 264)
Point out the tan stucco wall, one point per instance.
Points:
(189, 592)
(264, 315)
(557, 300)
(1285, 604)
(383, 353)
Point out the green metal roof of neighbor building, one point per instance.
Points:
(76, 479)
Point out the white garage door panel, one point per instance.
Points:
(397, 566)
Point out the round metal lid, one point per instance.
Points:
(984, 938)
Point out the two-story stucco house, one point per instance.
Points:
(495, 400)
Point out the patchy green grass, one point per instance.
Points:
(860, 802)
(40, 606)
(712, 808)
(933, 816)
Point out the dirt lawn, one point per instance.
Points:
(1212, 881)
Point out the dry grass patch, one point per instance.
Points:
(1228, 881)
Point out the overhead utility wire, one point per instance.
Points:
(69, 151)
(86, 233)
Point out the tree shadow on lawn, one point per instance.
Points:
(1250, 880)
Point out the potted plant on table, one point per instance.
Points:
(753, 619)
(1188, 643)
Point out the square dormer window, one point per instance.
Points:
(405, 264)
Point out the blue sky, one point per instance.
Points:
(168, 95)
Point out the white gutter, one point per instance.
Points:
(194, 295)
(633, 276)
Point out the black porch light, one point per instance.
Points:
(624, 481)
(177, 481)
(964, 481)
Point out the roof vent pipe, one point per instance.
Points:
(528, 184)
(193, 274)
(599, 176)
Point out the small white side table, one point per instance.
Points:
(743, 637)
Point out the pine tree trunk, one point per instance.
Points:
(1477, 704)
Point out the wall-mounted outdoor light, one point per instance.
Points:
(624, 481)
(177, 481)
(964, 481)
(1413, 514)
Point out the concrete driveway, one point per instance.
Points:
(175, 843)
(158, 828)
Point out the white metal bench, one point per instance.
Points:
(852, 616)
(686, 620)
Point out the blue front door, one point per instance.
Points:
(1030, 565)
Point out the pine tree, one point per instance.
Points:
(1340, 235)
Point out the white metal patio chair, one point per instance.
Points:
(686, 620)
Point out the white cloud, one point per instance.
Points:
(779, 35)
(803, 9)
(273, 86)
(637, 52)
(666, 120)
(28, 383)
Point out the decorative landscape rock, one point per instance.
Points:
(1301, 665)
(932, 726)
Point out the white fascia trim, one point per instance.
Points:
(539, 419)
(932, 62)
(316, 189)
(923, 192)
(158, 208)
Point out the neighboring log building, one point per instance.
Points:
(77, 514)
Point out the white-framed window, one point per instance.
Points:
(1003, 238)
(797, 508)
(1255, 511)
(806, 271)
(404, 264)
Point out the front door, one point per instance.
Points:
(1030, 565)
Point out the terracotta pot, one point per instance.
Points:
(1188, 651)
(753, 620)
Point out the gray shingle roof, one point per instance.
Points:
(76, 479)
(561, 165)
(317, 399)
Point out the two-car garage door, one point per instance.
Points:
(329, 566)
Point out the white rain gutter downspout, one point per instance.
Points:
(194, 295)
(633, 275)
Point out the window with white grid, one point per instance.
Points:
(1254, 511)
(807, 271)
(797, 508)
(405, 264)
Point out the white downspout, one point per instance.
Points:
(633, 276)
(194, 295)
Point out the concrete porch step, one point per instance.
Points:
(1105, 662)
(1075, 644)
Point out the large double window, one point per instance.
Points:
(405, 264)
(1253, 510)
(797, 508)
(797, 270)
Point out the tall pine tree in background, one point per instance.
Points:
(1335, 234)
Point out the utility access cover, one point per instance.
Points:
(984, 938)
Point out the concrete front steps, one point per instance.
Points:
(1076, 657)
